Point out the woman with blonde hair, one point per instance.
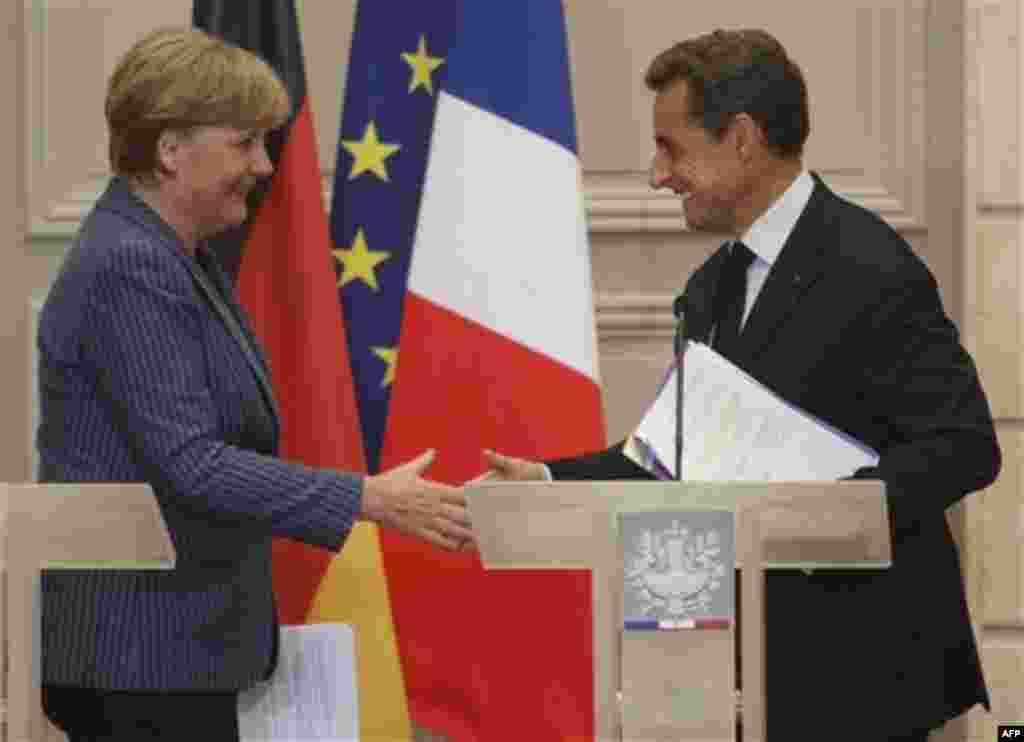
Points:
(149, 371)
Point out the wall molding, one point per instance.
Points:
(62, 219)
(615, 203)
(644, 317)
(1000, 207)
(1001, 636)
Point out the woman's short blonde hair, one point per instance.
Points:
(180, 78)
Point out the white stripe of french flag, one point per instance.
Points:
(501, 239)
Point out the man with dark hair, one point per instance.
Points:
(825, 304)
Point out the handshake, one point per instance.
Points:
(434, 512)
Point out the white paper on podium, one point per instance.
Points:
(735, 429)
(312, 693)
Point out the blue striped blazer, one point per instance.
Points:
(149, 372)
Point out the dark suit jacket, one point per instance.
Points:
(850, 327)
(142, 378)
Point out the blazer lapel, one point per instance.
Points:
(219, 302)
(799, 266)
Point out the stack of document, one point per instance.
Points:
(735, 429)
(311, 696)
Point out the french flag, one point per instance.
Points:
(497, 349)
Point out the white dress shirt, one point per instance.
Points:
(766, 236)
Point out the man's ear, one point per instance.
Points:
(748, 134)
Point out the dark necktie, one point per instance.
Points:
(730, 298)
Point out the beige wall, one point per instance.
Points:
(12, 233)
(995, 519)
(901, 100)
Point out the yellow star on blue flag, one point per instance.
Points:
(369, 154)
(390, 357)
(423, 66)
(359, 261)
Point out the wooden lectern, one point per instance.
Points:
(781, 525)
(95, 526)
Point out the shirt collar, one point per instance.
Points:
(766, 236)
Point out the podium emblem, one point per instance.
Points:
(679, 567)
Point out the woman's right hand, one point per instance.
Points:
(401, 499)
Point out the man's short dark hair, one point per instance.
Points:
(731, 72)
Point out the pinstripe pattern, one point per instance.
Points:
(141, 380)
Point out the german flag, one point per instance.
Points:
(287, 281)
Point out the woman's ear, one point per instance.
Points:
(168, 152)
